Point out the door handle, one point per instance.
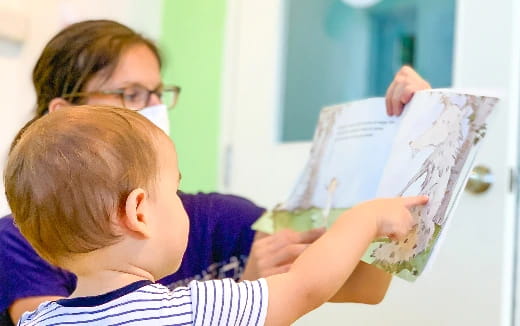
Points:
(480, 179)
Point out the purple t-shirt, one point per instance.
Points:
(219, 242)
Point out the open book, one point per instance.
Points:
(359, 153)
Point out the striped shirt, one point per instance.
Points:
(217, 302)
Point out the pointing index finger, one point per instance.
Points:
(413, 201)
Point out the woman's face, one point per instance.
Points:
(137, 66)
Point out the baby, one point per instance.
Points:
(93, 189)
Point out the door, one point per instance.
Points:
(471, 280)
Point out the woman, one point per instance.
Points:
(104, 62)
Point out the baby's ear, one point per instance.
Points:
(135, 218)
(57, 103)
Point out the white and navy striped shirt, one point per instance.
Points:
(217, 302)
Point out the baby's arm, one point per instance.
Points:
(323, 268)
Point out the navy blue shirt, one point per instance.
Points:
(219, 242)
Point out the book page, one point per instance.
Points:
(359, 154)
(436, 142)
(350, 148)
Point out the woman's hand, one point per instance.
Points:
(274, 253)
(406, 82)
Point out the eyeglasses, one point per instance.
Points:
(135, 97)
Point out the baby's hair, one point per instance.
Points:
(69, 173)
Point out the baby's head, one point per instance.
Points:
(87, 180)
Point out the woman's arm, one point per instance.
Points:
(367, 284)
(26, 279)
(20, 306)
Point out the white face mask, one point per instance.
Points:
(158, 115)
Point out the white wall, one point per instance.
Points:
(43, 19)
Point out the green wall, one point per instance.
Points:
(192, 46)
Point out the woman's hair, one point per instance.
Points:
(78, 53)
(69, 173)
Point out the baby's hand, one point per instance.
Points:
(392, 215)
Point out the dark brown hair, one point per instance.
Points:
(76, 54)
(69, 173)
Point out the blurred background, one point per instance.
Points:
(254, 75)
